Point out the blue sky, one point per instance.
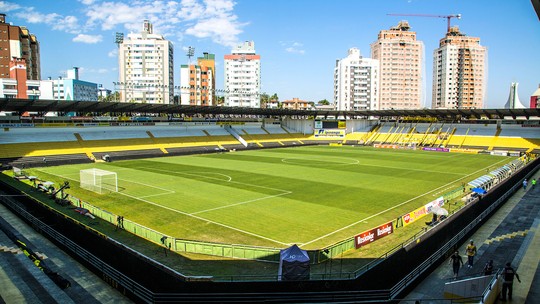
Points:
(298, 40)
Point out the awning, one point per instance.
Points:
(481, 181)
(505, 170)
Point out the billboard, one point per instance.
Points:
(372, 235)
(329, 133)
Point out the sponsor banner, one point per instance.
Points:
(415, 215)
(514, 153)
(342, 124)
(318, 124)
(464, 151)
(329, 133)
(499, 153)
(436, 149)
(438, 202)
(372, 235)
(386, 146)
(230, 123)
(17, 125)
(131, 124)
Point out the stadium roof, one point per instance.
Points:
(95, 107)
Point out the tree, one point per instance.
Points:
(265, 98)
(323, 102)
(274, 97)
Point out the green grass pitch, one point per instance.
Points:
(312, 196)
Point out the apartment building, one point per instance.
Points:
(146, 67)
(356, 83)
(18, 42)
(459, 72)
(197, 82)
(401, 58)
(243, 77)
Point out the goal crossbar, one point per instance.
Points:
(98, 180)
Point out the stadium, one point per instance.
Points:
(171, 203)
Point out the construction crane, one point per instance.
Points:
(448, 17)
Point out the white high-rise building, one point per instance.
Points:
(356, 83)
(146, 68)
(243, 77)
(459, 72)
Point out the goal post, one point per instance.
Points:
(98, 180)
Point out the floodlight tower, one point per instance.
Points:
(190, 53)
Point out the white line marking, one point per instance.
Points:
(394, 207)
(129, 181)
(329, 162)
(209, 177)
(190, 215)
(241, 203)
(412, 169)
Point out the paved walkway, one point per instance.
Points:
(512, 235)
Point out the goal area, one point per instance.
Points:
(99, 181)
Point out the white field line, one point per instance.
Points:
(412, 169)
(284, 192)
(241, 203)
(193, 216)
(230, 181)
(288, 160)
(394, 207)
(167, 191)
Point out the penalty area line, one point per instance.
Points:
(190, 215)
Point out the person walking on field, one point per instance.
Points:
(533, 183)
(508, 275)
(525, 184)
(457, 262)
(471, 252)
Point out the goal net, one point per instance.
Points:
(98, 180)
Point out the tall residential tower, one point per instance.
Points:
(17, 42)
(356, 83)
(243, 77)
(197, 82)
(459, 72)
(146, 68)
(401, 59)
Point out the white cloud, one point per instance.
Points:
(6, 6)
(69, 24)
(88, 38)
(113, 53)
(212, 19)
(294, 47)
(205, 19)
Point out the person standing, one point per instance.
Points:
(508, 281)
(471, 252)
(457, 262)
(488, 268)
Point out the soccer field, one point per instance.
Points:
(312, 196)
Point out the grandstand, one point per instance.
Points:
(43, 144)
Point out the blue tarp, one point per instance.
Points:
(479, 191)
